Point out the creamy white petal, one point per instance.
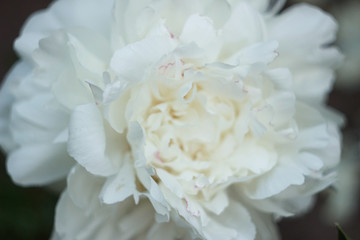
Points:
(122, 221)
(170, 182)
(63, 14)
(39, 164)
(162, 231)
(218, 11)
(199, 29)
(234, 223)
(264, 52)
(245, 26)
(66, 227)
(39, 115)
(273, 182)
(19, 71)
(132, 62)
(321, 25)
(89, 51)
(87, 140)
(83, 189)
(218, 204)
(119, 187)
(265, 226)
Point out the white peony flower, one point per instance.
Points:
(178, 119)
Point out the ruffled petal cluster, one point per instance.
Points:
(173, 119)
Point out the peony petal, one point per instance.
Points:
(127, 15)
(313, 137)
(264, 52)
(136, 139)
(39, 164)
(310, 161)
(314, 83)
(87, 140)
(200, 30)
(170, 182)
(62, 14)
(130, 63)
(136, 221)
(155, 194)
(272, 206)
(234, 223)
(281, 77)
(265, 226)
(39, 115)
(283, 104)
(89, 52)
(18, 72)
(115, 113)
(72, 222)
(69, 219)
(218, 11)
(255, 158)
(218, 204)
(67, 83)
(314, 21)
(162, 231)
(216, 230)
(124, 220)
(182, 209)
(330, 155)
(273, 182)
(245, 26)
(96, 17)
(37, 27)
(312, 186)
(119, 187)
(84, 189)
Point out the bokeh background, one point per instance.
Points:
(28, 213)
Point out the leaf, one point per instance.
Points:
(341, 234)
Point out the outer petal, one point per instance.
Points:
(60, 15)
(310, 60)
(72, 222)
(37, 117)
(163, 231)
(265, 226)
(273, 182)
(132, 62)
(233, 224)
(263, 52)
(321, 26)
(38, 164)
(83, 189)
(18, 72)
(200, 30)
(87, 140)
(123, 221)
(120, 186)
(245, 26)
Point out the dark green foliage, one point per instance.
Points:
(341, 234)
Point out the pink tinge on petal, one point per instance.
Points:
(157, 157)
(195, 214)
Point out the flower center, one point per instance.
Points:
(196, 130)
